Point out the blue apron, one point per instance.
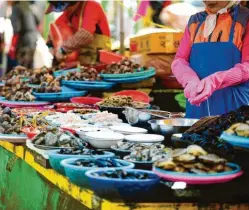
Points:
(208, 58)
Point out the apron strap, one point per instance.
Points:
(235, 15)
(197, 29)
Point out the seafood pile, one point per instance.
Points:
(64, 119)
(122, 101)
(79, 151)
(85, 74)
(206, 132)
(122, 174)
(52, 86)
(104, 118)
(17, 71)
(9, 122)
(193, 159)
(17, 90)
(123, 67)
(99, 163)
(239, 129)
(53, 137)
(83, 111)
(41, 75)
(145, 153)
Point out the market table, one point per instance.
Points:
(26, 185)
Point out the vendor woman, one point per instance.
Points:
(83, 27)
(212, 62)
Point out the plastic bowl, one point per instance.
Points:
(76, 174)
(136, 95)
(107, 57)
(55, 159)
(103, 140)
(86, 100)
(121, 187)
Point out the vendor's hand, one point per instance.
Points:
(190, 91)
(204, 90)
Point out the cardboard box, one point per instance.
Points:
(161, 62)
(163, 41)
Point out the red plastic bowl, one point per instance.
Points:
(30, 132)
(86, 100)
(65, 110)
(136, 95)
(109, 57)
(170, 82)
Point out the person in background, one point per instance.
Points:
(25, 20)
(84, 30)
(212, 62)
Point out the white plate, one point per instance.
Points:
(128, 130)
(100, 135)
(145, 138)
(13, 138)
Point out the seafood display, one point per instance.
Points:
(9, 122)
(145, 153)
(122, 174)
(123, 67)
(41, 75)
(55, 138)
(17, 90)
(206, 132)
(79, 151)
(99, 163)
(193, 159)
(104, 118)
(53, 86)
(63, 119)
(122, 101)
(239, 129)
(85, 74)
(83, 111)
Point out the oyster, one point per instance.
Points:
(198, 171)
(179, 152)
(50, 139)
(166, 164)
(196, 150)
(186, 158)
(212, 159)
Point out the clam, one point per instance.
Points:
(198, 171)
(196, 150)
(242, 130)
(166, 164)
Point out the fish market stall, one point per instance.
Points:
(64, 150)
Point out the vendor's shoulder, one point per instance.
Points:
(198, 17)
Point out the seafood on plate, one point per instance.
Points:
(123, 67)
(55, 138)
(122, 101)
(194, 160)
(239, 129)
(85, 74)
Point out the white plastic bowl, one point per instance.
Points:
(103, 140)
(128, 130)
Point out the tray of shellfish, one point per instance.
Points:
(194, 165)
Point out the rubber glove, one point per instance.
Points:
(237, 75)
(184, 74)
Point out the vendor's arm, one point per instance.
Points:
(232, 77)
(184, 74)
(92, 15)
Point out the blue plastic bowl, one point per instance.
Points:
(55, 159)
(121, 187)
(76, 174)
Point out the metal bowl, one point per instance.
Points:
(172, 125)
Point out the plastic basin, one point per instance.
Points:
(76, 174)
(55, 159)
(121, 187)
